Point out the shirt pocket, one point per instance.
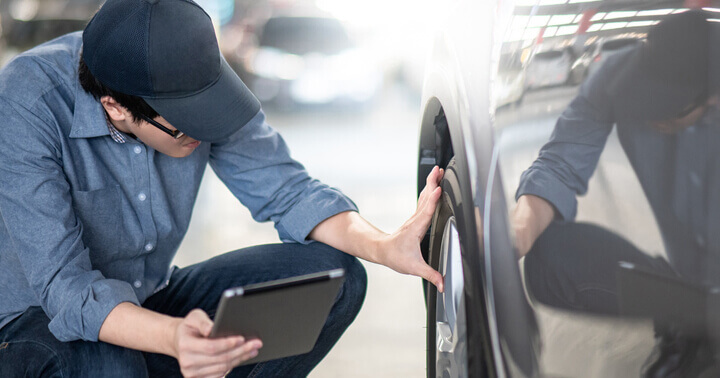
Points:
(100, 216)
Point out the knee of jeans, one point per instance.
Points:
(29, 359)
(355, 285)
(96, 359)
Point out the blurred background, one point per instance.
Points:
(341, 81)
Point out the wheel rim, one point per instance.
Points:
(450, 325)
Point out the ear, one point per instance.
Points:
(115, 111)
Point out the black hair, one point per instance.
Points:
(134, 104)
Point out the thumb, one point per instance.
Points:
(432, 276)
(199, 320)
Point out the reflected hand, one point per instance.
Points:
(200, 356)
(531, 217)
(401, 250)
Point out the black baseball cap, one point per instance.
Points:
(669, 71)
(166, 52)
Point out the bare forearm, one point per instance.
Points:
(399, 251)
(137, 328)
(530, 219)
(186, 339)
(350, 233)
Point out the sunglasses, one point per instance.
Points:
(176, 134)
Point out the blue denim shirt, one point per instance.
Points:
(679, 172)
(88, 223)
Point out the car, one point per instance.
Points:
(550, 67)
(27, 23)
(308, 60)
(493, 320)
(510, 83)
(580, 67)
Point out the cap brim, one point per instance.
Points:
(214, 113)
(638, 96)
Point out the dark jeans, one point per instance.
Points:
(574, 266)
(28, 349)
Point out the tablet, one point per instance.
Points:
(287, 314)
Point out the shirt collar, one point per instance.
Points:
(89, 117)
(116, 135)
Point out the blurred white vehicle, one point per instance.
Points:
(510, 83)
(549, 68)
(310, 60)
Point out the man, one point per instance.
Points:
(663, 96)
(105, 137)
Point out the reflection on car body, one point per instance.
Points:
(510, 83)
(604, 49)
(309, 60)
(622, 280)
(549, 68)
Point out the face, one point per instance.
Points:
(147, 133)
(162, 141)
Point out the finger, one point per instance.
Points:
(247, 354)
(418, 224)
(232, 353)
(431, 183)
(429, 206)
(214, 347)
(225, 362)
(433, 200)
(428, 187)
(200, 321)
(208, 371)
(433, 276)
(430, 199)
(431, 179)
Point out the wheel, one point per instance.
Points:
(448, 336)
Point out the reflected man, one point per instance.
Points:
(662, 95)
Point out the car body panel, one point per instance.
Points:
(465, 115)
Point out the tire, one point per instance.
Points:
(453, 349)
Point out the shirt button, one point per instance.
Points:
(137, 284)
(137, 149)
(149, 247)
(142, 196)
(700, 240)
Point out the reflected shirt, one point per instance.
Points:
(88, 223)
(679, 172)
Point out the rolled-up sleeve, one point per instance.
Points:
(255, 164)
(37, 210)
(566, 162)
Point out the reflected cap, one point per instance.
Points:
(166, 52)
(666, 73)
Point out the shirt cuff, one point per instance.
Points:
(302, 218)
(547, 187)
(84, 315)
